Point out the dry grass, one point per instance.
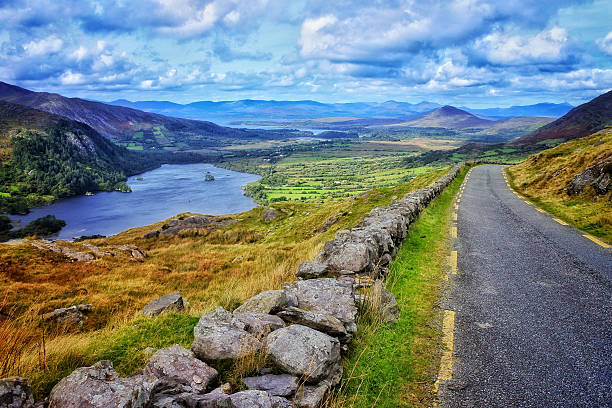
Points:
(543, 178)
(223, 267)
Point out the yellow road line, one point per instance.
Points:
(560, 221)
(453, 232)
(448, 339)
(540, 210)
(597, 241)
(453, 262)
(454, 216)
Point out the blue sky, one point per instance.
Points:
(464, 52)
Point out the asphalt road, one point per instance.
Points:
(533, 303)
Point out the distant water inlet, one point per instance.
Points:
(156, 195)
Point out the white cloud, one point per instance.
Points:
(605, 43)
(72, 78)
(44, 46)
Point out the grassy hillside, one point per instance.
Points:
(544, 177)
(223, 267)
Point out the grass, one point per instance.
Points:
(223, 267)
(395, 365)
(543, 177)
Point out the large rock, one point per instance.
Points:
(180, 365)
(326, 296)
(191, 400)
(15, 392)
(171, 301)
(310, 270)
(318, 321)
(218, 335)
(312, 396)
(598, 176)
(251, 399)
(259, 324)
(270, 214)
(283, 385)
(304, 352)
(73, 315)
(98, 386)
(270, 301)
(386, 302)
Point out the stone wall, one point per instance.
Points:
(302, 330)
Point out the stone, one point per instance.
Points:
(218, 335)
(304, 352)
(270, 301)
(191, 400)
(15, 392)
(280, 402)
(385, 301)
(73, 315)
(68, 252)
(181, 365)
(310, 270)
(251, 399)
(270, 214)
(283, 385)
(133, 250)
(318, 321)
(171, 301)
(311, 396)
(98, 386)
(194, 223)
(329, 222)
(97, 251)
(598, 176)
(259, 324)
(327, 296)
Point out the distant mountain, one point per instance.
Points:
(581, 121)
(46, 156)
(448, 117)
(552, 110)
(130, 127)
(248, 109)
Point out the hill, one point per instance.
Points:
(132, 128)
(581, 121)
(572, 181)
(448, 117)
(553, 110)
(45, 156)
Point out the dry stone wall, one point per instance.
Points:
(303, 329)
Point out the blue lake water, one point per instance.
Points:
(162, 193)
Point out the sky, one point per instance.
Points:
(474, 53)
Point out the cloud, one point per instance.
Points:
(605, 43)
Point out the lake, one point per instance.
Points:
(162, 193)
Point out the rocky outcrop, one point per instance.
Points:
(133, 251)
(304, 352)
(181, 366)
(270, 214)
(73, 315)
(270, 301)
(15, 392)
(193, 223)
(171, 301)
(219, 335)
(68, 252)
(598, 176)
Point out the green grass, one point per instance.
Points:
(395, 365)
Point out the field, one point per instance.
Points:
(223, 267)
(544, 177)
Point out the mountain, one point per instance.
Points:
(448, 117)
(553, 110)
(45, 156)
(581, 121)
(248, 109)
(130, 127)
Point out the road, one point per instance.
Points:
(533, 306)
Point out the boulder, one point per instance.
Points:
(270, 301)
(218, 335)
(133, 250)
(15, 392)
(304, 352)
(283, 385)
(251, 399)
(191, 400)
(310, 270)
(73, 315)
(312, 396)
(318, 321)
(598, 176)
(280, 402)
(326, 296)
(259, 324)
(270, 214)
(180, 365)
(98, 386)
(171, 301)
(385, 302)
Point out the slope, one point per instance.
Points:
(581, 121)
(448, 117)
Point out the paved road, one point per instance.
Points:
(533, 303)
